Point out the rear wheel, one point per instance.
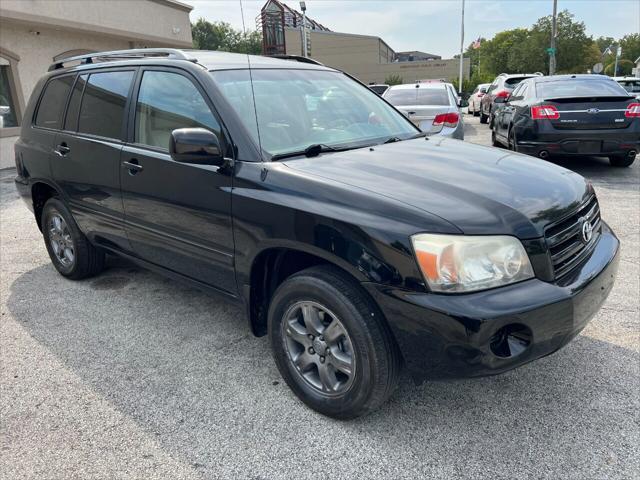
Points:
(476, 112)
(331, 344)
(483, 118)
(621, 160)
(70, 251)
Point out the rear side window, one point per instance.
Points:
(167, 101)
(53, 101)
(71, 120)
(103, 104)
(401, 96)
(579, 87)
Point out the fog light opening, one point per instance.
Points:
(511, 341)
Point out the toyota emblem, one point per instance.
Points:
(587, 231)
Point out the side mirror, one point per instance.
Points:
(195, 145)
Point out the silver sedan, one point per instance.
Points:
(434, 107)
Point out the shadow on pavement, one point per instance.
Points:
(186, 369)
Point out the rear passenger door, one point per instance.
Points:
(86, 162)
(178, 215)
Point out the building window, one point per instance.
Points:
(9, 112)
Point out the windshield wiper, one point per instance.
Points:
(311, 151)
(398, 139)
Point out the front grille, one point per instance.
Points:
(565, 237)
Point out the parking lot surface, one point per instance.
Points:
(131, 375)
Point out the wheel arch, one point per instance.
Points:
(272, 266)
(41, 191)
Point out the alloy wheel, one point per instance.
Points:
(61, 241)
(319, 347)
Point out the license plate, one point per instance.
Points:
(589, 147)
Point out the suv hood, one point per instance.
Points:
(480, 190)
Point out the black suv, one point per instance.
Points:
(357, 244)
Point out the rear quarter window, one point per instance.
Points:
(103, 103)
(53, 101)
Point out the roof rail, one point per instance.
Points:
(123, 54)
(298, 58)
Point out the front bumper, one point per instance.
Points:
(450, 336)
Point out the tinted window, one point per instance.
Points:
(53, 101)
(579, 87)
(103, 102)
(432, 96)
(167, 101)
(71, 120)
(401, 96)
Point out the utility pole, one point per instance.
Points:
(461, 50)
(554, 33)
(618, 54)
(303, 7)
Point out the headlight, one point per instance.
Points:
(461, 263)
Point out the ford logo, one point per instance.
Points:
(593, 110)
(587, 231)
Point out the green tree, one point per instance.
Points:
(624, 68)
(630, 46)
(222, 36)
(393, 79)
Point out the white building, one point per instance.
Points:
(33, 33)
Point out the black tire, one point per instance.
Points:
(476, 113)
(513, 144)
(483, 118)
(621, 160)
(374, 353)
(87, 260)
(494, 140)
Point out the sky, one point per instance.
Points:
(434, 25)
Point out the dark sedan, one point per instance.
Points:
(570, 115)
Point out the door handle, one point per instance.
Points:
(61, 150)
(133, 166)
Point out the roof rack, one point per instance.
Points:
(298, 58)
(123, 54)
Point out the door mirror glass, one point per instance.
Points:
(195, 145)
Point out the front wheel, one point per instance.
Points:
(70, 251)
(331, 344)
(621, 160)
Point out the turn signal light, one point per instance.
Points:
(541, 112)
(447, 119)
(633, 110)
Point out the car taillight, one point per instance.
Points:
(541, 112)
(446, 119)
(633, 110)
(502, 94)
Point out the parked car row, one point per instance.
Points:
(563, 115)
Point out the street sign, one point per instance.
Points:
(598, 68)
(551, 51)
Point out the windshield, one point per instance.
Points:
(579, 87)
(298, 108)
(417, 96)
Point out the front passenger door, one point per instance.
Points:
(177, 215)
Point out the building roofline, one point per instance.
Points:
(329, 32)
(175, 4)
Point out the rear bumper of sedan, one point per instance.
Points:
(490, 332)
(580, 142)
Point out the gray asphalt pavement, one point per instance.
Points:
(131, 375)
